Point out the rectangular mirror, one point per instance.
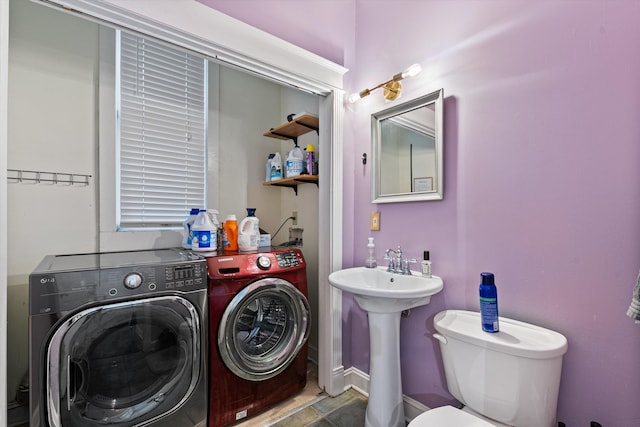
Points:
(406, 146)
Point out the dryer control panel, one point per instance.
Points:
(288, 259)
(77, 283)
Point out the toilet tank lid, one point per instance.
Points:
(515, 337)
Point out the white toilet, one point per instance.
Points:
(510, 378)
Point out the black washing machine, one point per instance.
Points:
(119, 339)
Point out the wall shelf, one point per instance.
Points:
(297, 126)
(293, 182)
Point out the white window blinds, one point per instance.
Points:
(161, 119)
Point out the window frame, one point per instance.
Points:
(142, 171)
(110, 238)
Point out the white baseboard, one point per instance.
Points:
(413, 408)
(355, 378)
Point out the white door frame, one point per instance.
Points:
(199, 28)
(4, 87)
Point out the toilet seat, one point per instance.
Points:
(447, 416)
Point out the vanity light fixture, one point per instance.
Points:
(392, 88)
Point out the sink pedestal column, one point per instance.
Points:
(385, 407)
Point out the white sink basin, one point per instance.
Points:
(379, 291)
(384, 296)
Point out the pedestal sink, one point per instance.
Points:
(384, 296)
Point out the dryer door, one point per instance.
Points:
(263, 328)
(123, 364)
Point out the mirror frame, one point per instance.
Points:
(436, 98)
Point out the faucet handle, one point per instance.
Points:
(391, 259)
(405, 265)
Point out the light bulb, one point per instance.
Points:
(412, 71)
(354, 97)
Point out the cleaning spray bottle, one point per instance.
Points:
(213, 216)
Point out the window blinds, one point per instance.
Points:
(161, 119)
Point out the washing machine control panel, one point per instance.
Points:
(187, 275)
(263, 262)
(287, 259)
(132, 280)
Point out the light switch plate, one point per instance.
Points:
(374, 221)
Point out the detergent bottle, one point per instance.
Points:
(186, 233)
(268, 167)
(310, 166)
(249, 232)
(276, 167)
(204, 233)
(295, 162)
(231, 231)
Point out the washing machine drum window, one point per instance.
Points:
(123, 364)
(263, 328)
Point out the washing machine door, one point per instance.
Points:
(263, 328)
(123, 364)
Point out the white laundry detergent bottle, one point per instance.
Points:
(249, 232)
(204, 233)
(295, 162)
(276, 167)
(268, 167)
(186, 233)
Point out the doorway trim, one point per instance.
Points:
(4, 101)
(199, 28)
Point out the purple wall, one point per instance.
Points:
(542, 146)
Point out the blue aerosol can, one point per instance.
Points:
(488, 303)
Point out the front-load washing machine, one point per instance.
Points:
(119, 339)
(259, 325)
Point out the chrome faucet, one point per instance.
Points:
(396, 263)
(391, 268)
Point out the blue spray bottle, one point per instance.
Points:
(488, 303)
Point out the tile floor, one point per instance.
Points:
(346, 410)
(312, 407)
(309, 408)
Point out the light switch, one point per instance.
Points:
(374, 221)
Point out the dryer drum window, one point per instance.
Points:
(263, 328)
(123, 363)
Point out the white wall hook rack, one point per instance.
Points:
(40, 177)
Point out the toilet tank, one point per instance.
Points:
(512, 376)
